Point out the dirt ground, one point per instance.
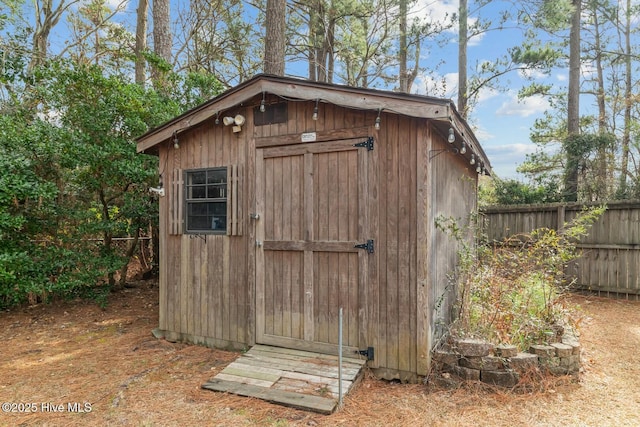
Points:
(73, 363)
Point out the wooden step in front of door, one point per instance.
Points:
(296, 378)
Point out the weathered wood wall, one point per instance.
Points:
(208, 282)
(610, 261)
(454, 195)
(203, 278)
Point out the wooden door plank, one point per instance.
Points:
(309, 235)
(261, 183)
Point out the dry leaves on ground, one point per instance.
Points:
(76, 356)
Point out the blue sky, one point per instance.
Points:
(500, 121)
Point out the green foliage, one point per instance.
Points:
(74, 180)
(513, 192)
(511, 292)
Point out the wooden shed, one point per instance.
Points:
(286, 200)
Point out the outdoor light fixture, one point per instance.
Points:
(478, 168)
(473, 159)
(377, 124)
(236, 121)
(262, 106)
(315, 111)
(463, 149)
(217, 118)
(452, 136)
(176, 142)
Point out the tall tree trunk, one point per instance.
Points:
(162, 41)
(573, 103)
(274, 45)
(46, 18)
(626, 136)
(141, 40)
(131, 249)
(402, 72)
(462, 58)
(313, 57)
(602, 179)
(329, 46)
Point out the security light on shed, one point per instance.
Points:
(236, 121)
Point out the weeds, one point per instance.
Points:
(510, 292)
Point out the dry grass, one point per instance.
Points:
(76, 352)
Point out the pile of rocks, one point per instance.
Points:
(502, 365)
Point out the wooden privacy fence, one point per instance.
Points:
(610, 262)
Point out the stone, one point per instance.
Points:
(573, 342)
(572, 363)
(542, 350)
(490, 363)
(523, 362)
(447, 358)
(562, 350)
(506, 350)
(466, 373)
(503, 378)
(472, 347)
(552, 364)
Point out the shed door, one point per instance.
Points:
(312, 204)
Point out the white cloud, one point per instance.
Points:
(562, 77)
(588, 70)
(532, 74)
(437, 11)
(441, 12)
(505, 158)
(441, 86)
(487, 93)
(482, 134)
(523, 108)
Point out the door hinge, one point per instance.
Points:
(368, 246)
(368, 144)
(368, 352)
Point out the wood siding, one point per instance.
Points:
(203, 279)
(216, 290)
(454, 196)
(610, 253)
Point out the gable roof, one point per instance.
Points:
(441, 111)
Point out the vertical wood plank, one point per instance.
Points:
(249, 184)
(309, 227)
(369, 289)
(183, 283)
(392, 303)
(424, 217)
(260, 183)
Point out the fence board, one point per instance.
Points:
(611, 251)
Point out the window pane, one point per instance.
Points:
(197, 177)
(198, 192)
(218, 176)
(216, 191)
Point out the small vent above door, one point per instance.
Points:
(273, 113)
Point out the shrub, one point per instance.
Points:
(510, 292)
